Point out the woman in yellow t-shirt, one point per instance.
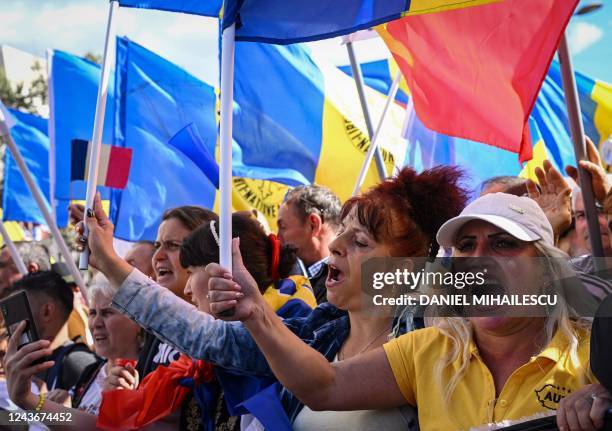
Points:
(462, 372)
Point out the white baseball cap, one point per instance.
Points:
(521, 217)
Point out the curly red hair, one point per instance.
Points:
(407, 210)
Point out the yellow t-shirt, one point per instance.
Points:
(534, 388)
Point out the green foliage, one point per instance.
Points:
(17, 96)
(95, 58)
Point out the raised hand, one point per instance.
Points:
(599, 178)
(235, 291)
(20, 369)
(100, 236)
(554, 197)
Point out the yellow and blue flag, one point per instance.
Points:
(30, 135)
(291, 21)
(596, 107)
(298, 118)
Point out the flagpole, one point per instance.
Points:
(374, 142)
(225, 168)
(43, 206)
(577, 130)
(356, 69)
(51, 101)
(98, 129)
(13, 250)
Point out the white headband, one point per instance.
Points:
(215, 235)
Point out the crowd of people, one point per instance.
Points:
(171, 340)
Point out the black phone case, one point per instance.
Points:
(15, 309)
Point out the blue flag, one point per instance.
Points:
(189, 141)
(30, 136)
(74, 90)
(196, 7)
(155, 101)
(291, 21)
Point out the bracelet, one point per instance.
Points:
(41, 402)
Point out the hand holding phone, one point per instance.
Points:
(16, 309)
(23, 364)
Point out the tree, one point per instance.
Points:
(95, 58)
(17, 96)
(12, 96)
(38, 87)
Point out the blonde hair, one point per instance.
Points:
(459, 331)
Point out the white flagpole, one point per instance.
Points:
(357, 76)
(51, 101)
(13, 250)
(43, 205)
(225, 169)
(374, 142)
(96, 140)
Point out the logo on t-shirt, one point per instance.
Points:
(166, 354)
(551, 395)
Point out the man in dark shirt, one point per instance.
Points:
(308, 219)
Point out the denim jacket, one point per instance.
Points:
(226, 344)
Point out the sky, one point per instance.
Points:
(78, 26)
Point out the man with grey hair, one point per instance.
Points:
(504, 183)
(35, 257)
(308, 219)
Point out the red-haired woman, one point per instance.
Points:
(399, 217)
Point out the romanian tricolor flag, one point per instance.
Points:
(114, 167)
(475, 73)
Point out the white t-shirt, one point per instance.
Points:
(92, 398)
(404, 418)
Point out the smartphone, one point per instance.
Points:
(16, 309)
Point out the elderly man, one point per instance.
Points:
(308, 219)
